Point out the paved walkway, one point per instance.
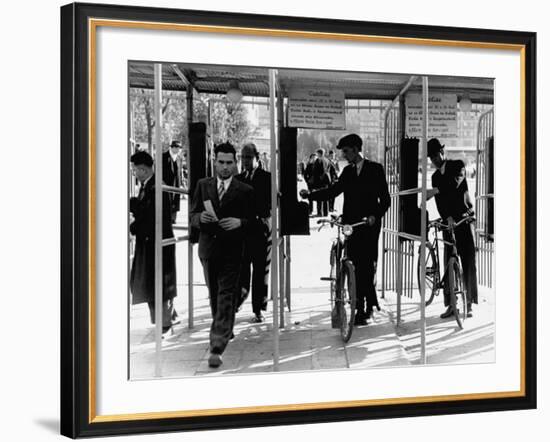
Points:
(307, 342)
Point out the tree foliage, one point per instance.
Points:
(229, 121)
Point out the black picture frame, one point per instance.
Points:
(77, 405)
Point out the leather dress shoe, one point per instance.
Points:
(447, 313)
(214, 360)
(360, 319)
(258, 318)
(469, 312)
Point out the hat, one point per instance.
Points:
(351, 140)
(434, 146)
(175, 144)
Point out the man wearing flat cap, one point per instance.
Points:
(171, 175)
(453, 203)
(366, 195)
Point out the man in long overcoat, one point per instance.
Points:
(142, 275)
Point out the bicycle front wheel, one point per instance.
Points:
(456, 292)
(333, 274)
(431, 277)
(346, 299)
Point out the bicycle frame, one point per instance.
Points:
(438, 227)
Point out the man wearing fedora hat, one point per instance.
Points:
(453, 203)
(171, 174)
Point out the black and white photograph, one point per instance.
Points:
(288, 230)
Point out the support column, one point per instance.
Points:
(282, 245)
(274, 217)
(158, 219)
(424, 156)
(190, 270)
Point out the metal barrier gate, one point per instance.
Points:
(398, 248)
(485, 198)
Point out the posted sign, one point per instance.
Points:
(316, 109)
(441, 115)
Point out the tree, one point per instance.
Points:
(229, 120)
(230, 123)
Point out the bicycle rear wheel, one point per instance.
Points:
(346, 299)
(431, 277)
(457, 293)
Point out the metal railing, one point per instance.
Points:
(484, 234)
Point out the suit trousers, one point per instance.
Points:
(168, 312)
(257, 254)
(222, 277)
(322, 208)
(465, 247)
(363, 252)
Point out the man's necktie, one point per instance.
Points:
(221, 191)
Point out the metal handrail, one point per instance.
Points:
(172, 189)
(171, 241)
(414, 191)
(403, 234)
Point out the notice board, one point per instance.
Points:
(316, 109)
(442, 110)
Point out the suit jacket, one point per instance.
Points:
(142, 276)
(237, 202)
(364, 195)
(321, 172)
(261, 183)
(451, 200)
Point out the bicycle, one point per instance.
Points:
(342, 277)
(453, 276)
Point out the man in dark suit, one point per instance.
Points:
(171, 175)
(366, 195)
(334, 171)
(321, 179)
(142, 225)
(222, 211)
(258, 242)
(453, 203)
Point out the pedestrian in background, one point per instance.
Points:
(334, 171)
(257, 251)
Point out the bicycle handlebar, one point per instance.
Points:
(335, 222)
(442, 226)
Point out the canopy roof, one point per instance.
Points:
(253, 81)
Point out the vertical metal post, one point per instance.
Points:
(384, 222)
(399, 288)
(282, 277)
(282, 267)
(158, 219)
(287, 273)
(424, 156)
(190, 270)
(274, 216)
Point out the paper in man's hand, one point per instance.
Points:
(210, 208)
